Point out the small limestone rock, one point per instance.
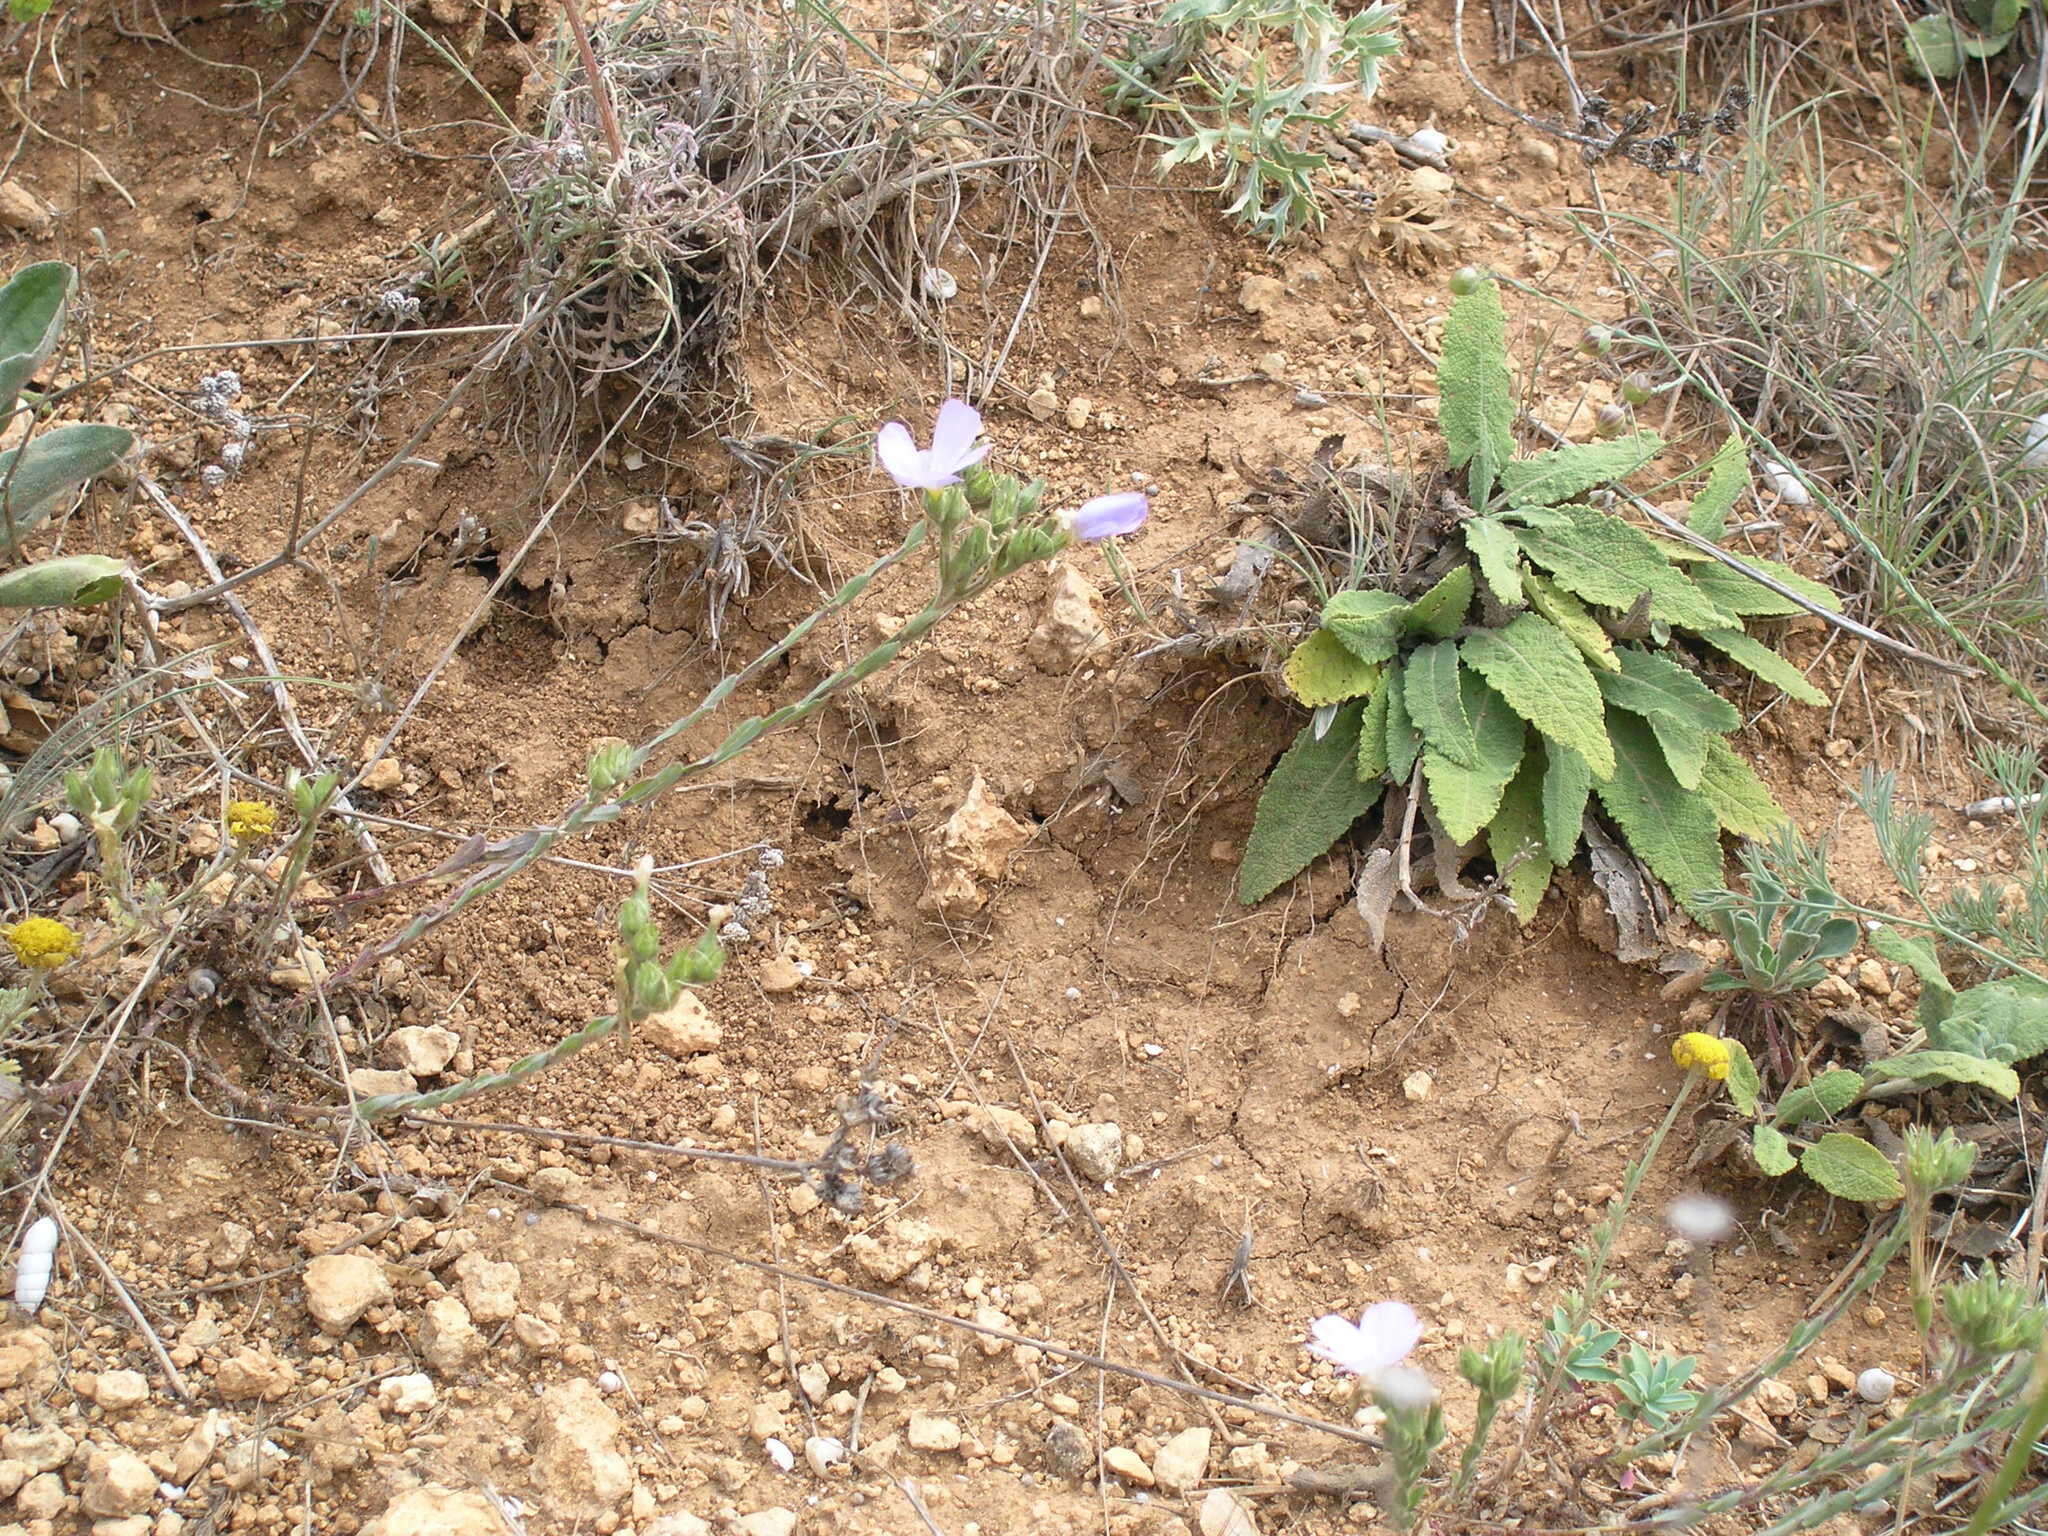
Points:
(231, 1247)
(1183, 1461)
(1069, 630)
(753, 1332)
(197, 1448)
(1078, 410)
(249, 1461)
(410, 1393)
(120, 1391)
(384, 776)
(42, 1497)
(424, 1051)
(1416, 1086)
(975, 845)
(536, 1334)
(1000, 1127)
(489, 1290)
(370, 1082)
(1872, 977)
(1042, 402)
(681, 1523)
(779, 976)
(1096, 1150)
(1128, 1465)
(12, 1475)
(438, 1511)
(933, 1432)
(341, 1287)
(1260, 295)
(253, 1373)
(684, 1028)
(1538, 152)
(117, 1484)
(579, 1462)
(23, 212)
(1225, 1514)
(27, 1360)
(448, 1339)
(40, 1450)
(1776, 1399)
(775, 1521)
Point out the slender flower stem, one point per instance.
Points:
(2018, 1456)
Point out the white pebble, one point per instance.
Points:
(32, 1267)
(1875, 1385)
(824, 1452)
(69, 828)
(2034, 446)
(783, 1457)
(610, 1381)
(1427, 141)
(1784, 484)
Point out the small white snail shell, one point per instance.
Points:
(1784, 484)
(779, 1453)
(1428, 141)
(32, 1268)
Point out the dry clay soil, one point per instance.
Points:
(499, 1347)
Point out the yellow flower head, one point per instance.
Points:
(251, 821)
(43, 943)
(1700, 1052)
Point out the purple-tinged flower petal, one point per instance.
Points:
(955, 442)
(1381, 1338)
(1107, 516)
(897, 451)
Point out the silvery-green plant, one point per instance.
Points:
(43, 473)
(983, 527)
(1217, 81)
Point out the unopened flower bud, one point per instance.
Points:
(1932, 1164)
(1610, 420)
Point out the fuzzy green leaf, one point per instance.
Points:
(1743, 1083)
(2002, 1020)
(1435, 702)
(1822, 1099)
(1311, 800)
(48, 470)
(1367, 624)
(1572, 618)
(1607, 561)
(1685, 750)
(1440, 612)
(74, 581)
(1467, 795)
(1772, 1152)
(1546, 479)
(1734, 593)
(31, 319)
(1321, 671)
(1947, 1067)
(1937, 996)
(1658, 688)
(1751, 654)
(1567, 783)
(1372, 739)
(1741, 802)
(1477, 412)
(1403, 741)
(1727, 479)
(1500, 558)
(1517, 829)
(1541, 673)
(1671, 831)
(1850, 1168)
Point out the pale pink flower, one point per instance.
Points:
(956, 445)
(1379, 1340)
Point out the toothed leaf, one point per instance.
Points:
(1321, 671)
(1542, 674)
(1727, 479)
(1546, 479)
(1477, 412)
(1403, 741)
(1758, 659)
(1734, 593)
(1499, 557)
(1311, 800)
(1567, 784)
(1368, 624)
(1435, 703)
(1572, 619)
(1739, 799)
(1673, 832)
(1466, 796)
(1517, 828)
(1440, 612)
(1607, 561)
(1850, 1168)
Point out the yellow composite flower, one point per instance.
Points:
(1702, 1052)
(251, 821)
(43, 943)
